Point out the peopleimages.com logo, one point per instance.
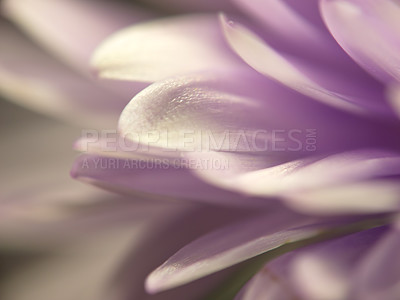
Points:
(277, 140)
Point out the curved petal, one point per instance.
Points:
(368, 32)
(228, 246)
(304, 175)
(329, 87)
(163, 241)
(34, 79)
(297, 29)
(286, 24)
(72, 29)
(239, 111)
(178, 45)
(156, 178)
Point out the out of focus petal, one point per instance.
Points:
(72, 29)
(51, 208)
(394, 98)
(332, 264)
(368, 32)
(326, 86)
(34, 79)
(378, 276)
(178, 45)
(81, 269)
(287, 25)
(266, 285)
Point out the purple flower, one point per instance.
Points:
(326, 115)
(274, 125)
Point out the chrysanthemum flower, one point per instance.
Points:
(283, 111)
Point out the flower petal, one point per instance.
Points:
(72, 29)
(226, 247)
(304, 175)
(239, 111)
(34, 79)
(368, 32)
(326, 86)
(156, 178)
(293, 30)
(178, 45)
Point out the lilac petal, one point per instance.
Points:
(156, 178)
(283, 21)
(134, 268)
(72, 29)
(34, 79)
(371, 196)
(231, 111)
(368, 32)
(205, 108)
(178, 45)
(297, 29)
(59, 211)
(328, 87)
(279, 16)
(305, 174)
(378, 275)
(226, 247)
